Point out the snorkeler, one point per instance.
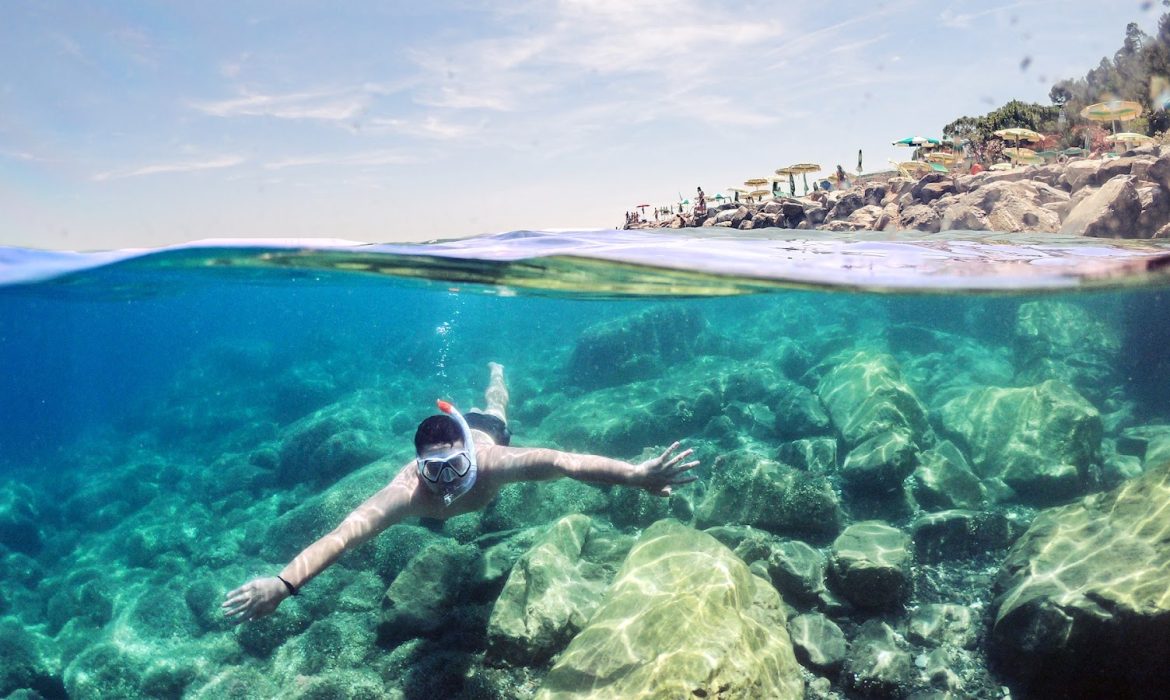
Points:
(460, 466)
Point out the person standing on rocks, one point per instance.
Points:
(460, 466)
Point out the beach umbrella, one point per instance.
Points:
(759, 194)
(791, 179)
(859, 161)
(804, 169)
(1017, 134)
(1112, 111)
(1048, 154)
(1034, 159)
(917, 142)
(910, 168)
(757, 182)
(944, 157)
(1129, 137)
(1002, 166)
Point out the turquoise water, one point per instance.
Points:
(175, 422)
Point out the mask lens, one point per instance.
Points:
(432, 469)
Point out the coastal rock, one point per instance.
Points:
(1137, 166)
(635, 346)
(964, 217)
(741, 215)
(847, 203)
(1082, 609)
(1155, 214)
(751, 490)
(548, 597)
(1110, 212)
(866, 396)
(929, 192)
(1079, 173)
(921, 217)
(1159, 172)
(1041, 440)
(818, 641)
(686, 618)
(874, 194)
(878, 664)
(871, 565)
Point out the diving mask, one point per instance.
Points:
(452, 474)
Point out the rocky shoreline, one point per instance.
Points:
(1124, 197)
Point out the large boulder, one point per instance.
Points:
(548, 597)
(1110, 212)
(866, 397)
(1066, 341)
(921, 217)
(334, 441)
(685, 618)
(20, 520)
(1082, 608)
(1042, 440)
(426, 597)
(635, 346)
(747, 489)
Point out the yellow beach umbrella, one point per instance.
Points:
(944, 157)
(1129, 137)
(802, 169)
(757, 182)
(759, 194)
(1017, 134)
(1112, 111)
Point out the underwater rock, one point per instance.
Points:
(638, 346)
(748, 489)
(943, 480)
(936, 624)
(23, 664)
(104, 670)
(519, 505)
(880, 463)
(548, 597)
(871, 565)
(422, 599)
(19, 520)
(1042, 440)
(339, 642)
(878, 664)
(685, 618)
(818, 642)
(866, 396)
(798, 572)
(798, 412)
(815, 455)
(1082, 608)
(334, 441)
(1064, 341)
(960, 534)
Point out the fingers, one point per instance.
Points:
(667, 451)
(679, 457)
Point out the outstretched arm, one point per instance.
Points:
(261, 596)
(656, 475)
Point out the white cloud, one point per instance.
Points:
(333, 105)
(365, 158)
(226, 161)
(430, 127)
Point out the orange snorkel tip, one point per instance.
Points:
(444, 406)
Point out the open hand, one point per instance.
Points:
(254, 599)
(664, 471)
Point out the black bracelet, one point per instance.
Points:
(292, 590)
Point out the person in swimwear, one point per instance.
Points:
(460, 465)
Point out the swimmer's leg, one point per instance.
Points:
(496, 394)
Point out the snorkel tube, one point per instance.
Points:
(456, 488)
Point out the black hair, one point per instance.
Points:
(436, 430)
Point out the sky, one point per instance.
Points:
(141, 124)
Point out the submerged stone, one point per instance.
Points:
(958, 534)
(421, 599)
(684, 618)
(936, 624)
(866, 396)
(878, 664)
(943, 480)
(751, 490)
(880, 463)
(871, 565)
(548, 597)
(1041, 440)
(1082, 606)
(816, 455)
(819, 642)
(637, 346)
(798, 572)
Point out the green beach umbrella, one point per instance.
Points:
(1112, 111)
